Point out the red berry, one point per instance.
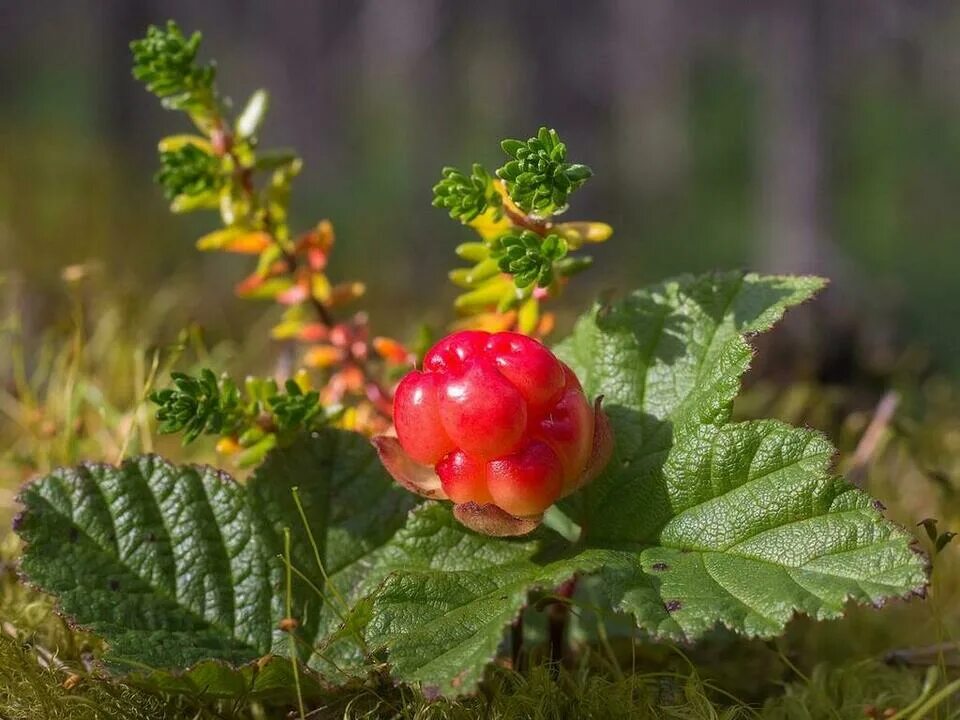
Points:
(568, 429)
(500, 420)
(464, 478)
(417, 416)
(533, 369)
(449, 354)
(526, 482)
(481, 411)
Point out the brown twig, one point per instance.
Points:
(948, 653)
(869, 443)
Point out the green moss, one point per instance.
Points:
(29, 691)
(847, 691)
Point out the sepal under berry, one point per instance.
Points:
(489, 518)
(413, 476)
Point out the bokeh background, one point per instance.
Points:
(783, 135)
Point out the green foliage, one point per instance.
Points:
(696, 522)
(939, 540)
(223, 168)
(294, 409)
(189, 171)
(529, 257)
(848, 693)
(257, 419)
(174, 566)
(522, 248)
(746, 513)
(475, 585)
(537, 176)
(33, 690)
(591, 689)
(28, 691)
(166, 62)
(217, 170)
(466, 197)
(199, 405)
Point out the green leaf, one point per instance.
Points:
(166, 62)
(465, 196)
(739, 524)
(676, 352)
(190, 203)
(199, 405)
(442, 613)
(188, 171)
(294, 409)
(207, 405)
(537, 176)
(696, 522)
(747, 528)
(529, 257)
(177, 565)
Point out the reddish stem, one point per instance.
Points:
(223, 144)
(540, 227)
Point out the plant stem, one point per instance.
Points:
(558, 616)
(867, 447)
(516, 642)
(323, 312)
(224, 143)
(288, 606)
(540, 227)
(377, 394)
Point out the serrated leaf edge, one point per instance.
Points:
(24, 578)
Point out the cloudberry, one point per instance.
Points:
(497, 424)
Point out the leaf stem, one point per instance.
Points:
(870, 442)
(288, 610)
(295, 491)
(516, 642)
(558, 616)
(225, 142)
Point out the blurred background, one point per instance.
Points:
(784, 135)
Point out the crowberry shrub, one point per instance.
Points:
(497, 424)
